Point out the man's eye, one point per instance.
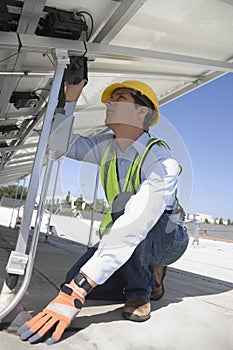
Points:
(122, 97)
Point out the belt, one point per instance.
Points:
(175, 211)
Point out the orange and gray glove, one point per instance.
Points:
(59, 312)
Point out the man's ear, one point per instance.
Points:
(142, 111)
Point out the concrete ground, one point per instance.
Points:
(196, 311)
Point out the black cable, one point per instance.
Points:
(37, 94)
(15, 53)
(42, 89)
(61, 95)
(7, 58)
(85, 46)
(20, 43)
(49, 59)
(92, 22)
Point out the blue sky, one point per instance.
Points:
(204, 119)
(199, 129)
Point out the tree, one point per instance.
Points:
(67, 200)
(10, 191)
(78, 203)
(101, 206)
(220, 221)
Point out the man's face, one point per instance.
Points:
(121, 109)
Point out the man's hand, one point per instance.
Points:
(76, 71)
(74, 79)
(58, 313)
(74, 91)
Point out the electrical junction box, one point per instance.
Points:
(16, 263)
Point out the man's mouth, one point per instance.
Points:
(110, 109)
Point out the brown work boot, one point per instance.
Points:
(137, 310)
(160, 273)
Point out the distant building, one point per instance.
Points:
(59, 200)
(56, 200)
(189, 217)
(201, 217)
(206, 218)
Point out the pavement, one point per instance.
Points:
(196, 311)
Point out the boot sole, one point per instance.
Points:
(158, 297)
(135, 318)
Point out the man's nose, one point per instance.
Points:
(109, 102)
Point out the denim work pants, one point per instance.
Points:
(163, 245)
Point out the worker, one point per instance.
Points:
(143, 231)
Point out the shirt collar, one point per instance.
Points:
(139, 145)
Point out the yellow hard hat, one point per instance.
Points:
(143, 88)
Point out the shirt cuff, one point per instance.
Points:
(97, 269)
(70, 107)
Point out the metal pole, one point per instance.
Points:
(63, 60)
(35, 238)
(53, 195)
(21, 199)
(89, 244)
(16, 195)
(196, 231)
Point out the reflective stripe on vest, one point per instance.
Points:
(110, 178)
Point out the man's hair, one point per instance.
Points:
(142, 100)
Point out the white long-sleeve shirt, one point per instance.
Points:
(156, 193)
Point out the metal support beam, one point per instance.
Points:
(62, 61)
(90, 242)
(189, 87)
(53, 195)
(32, 43)
(105, 73)
(120, 17)
(16, 195)
(8, 137)
(30, 129)
(130, 74)
(24, 155)
(16, 169)
(18, 147)
(29, 18)
(13, 161)
(12, 178)
(9, 41)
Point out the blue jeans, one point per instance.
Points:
(163, 245)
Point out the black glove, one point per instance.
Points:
(76, 71)
(61, 96)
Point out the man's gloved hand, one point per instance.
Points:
(59, 312)
(76, 71)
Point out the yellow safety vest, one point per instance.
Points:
(109, 178)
